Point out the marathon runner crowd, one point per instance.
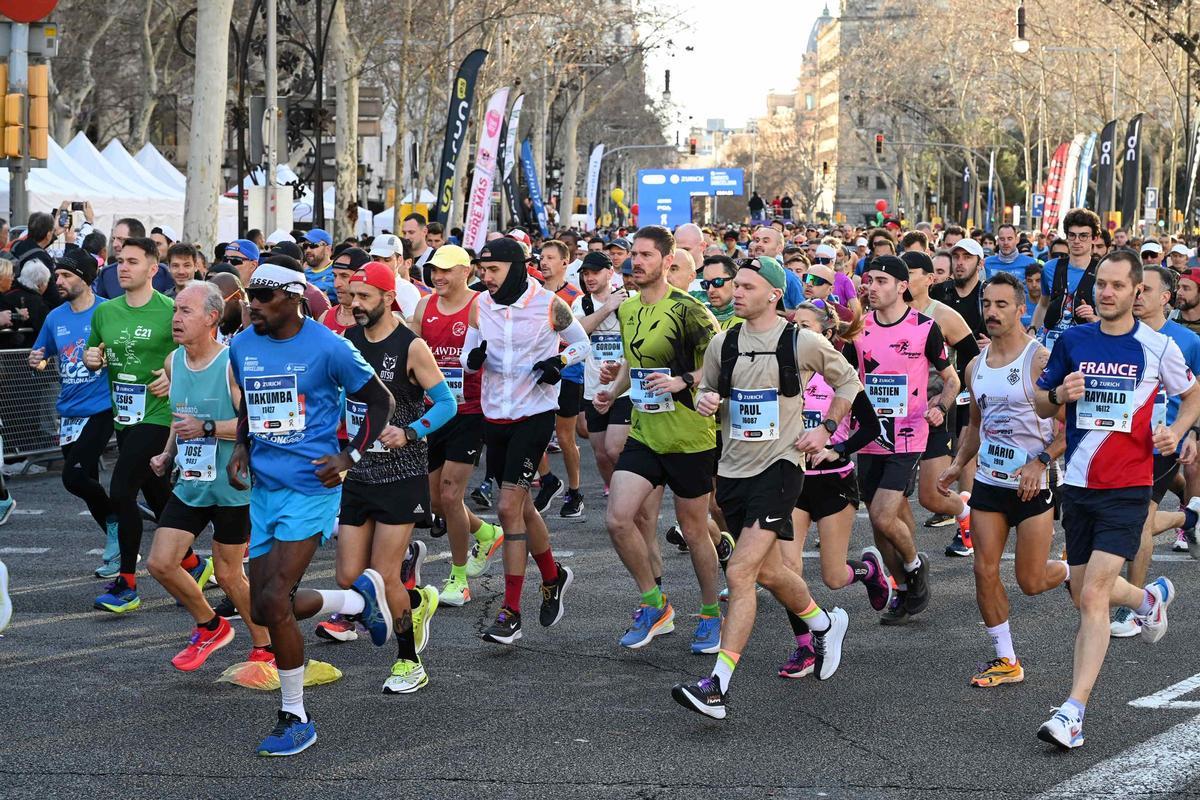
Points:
(291, 389)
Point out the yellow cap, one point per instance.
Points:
(449, 256)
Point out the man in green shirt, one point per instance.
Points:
(665, 332)
(131, 335)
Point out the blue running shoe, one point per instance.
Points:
(118, 598)
(6, 509)
(376, 616)
(648, 622)
(707, 638)
(289, 737)
(110, 565)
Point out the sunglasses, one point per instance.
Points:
(235, 262)
(825, 261)
(715, 283)
(311, 245)
(262, 294)
(815, 280)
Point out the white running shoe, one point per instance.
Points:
(828, 646)
(1064, 729)
(1154, 624)
(1125, 624)
(5, 600)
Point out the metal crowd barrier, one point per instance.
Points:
(27, 398)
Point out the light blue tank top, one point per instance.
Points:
(204, 394)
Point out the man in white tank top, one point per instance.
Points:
(1015, 448)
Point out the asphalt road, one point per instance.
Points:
(91, 705)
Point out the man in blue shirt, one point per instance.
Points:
(1008, 259)
(318, 256)
(1067, 287)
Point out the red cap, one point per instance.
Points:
(377, 274)
(1191, 275)
(536, 274)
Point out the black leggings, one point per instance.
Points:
(81, 466)
(138, 444)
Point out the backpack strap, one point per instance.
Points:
(729, 357)
(785, 354)
(589, 305)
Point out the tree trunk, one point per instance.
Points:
(139, 127)
(69, 99)
(206, 139)
(570, 158)
(346, 65)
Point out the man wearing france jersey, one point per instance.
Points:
(1107, 374)
(292, 371)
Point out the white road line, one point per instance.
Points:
(23, 551)
(29, 512)
(1166, 697)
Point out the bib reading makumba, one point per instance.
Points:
(274, 404)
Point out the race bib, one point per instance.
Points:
(355, 413)
(454, 379)
(1050, 337)
(1001, 461)
(963, 398)
(129, 400)
(812, 419)
(607, 347)
(273, 404)
(642, 398)
(1159, 416)
(69, 429)
(754, 414)
(888, 394)
(1107, 403)
(197, 459)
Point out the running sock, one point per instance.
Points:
(1147, 604)
(485, 532)
(799, 628)
(1190, 518)
(211, 625)
(190, 561)
(654, 598)
(965, 513)
(130, 579)
(912, 566)
(406, 643)
(723, 671)
(816, 619)
(658, 581)
(340, 601)
(713, 610)
(512, 591)
(545, 563)
(1078, 706)
(291, 687)
(860, 571)
(1002, 641)
(458, 572)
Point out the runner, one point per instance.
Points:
(84, 405)
(292, 370)
(1068, 283)
(761, 471)
(719, 273)
(665, 332)
(441, 320)
(1110, 466)
(203, 403)
(894, 356)
(522, 323)
(318, 252)
(1012, 487)
(341, 316)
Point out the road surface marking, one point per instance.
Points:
(1166, 697)
(23, 551)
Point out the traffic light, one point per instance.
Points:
(692, 145)
(39, 111)
(13, 119)
(879, 143)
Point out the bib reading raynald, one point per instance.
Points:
(1107, 402)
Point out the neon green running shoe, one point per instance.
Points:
(406, 678)
(422, 614)
(483, 550)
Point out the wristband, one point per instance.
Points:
(1052, 395)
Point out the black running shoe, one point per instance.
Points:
(438, 529)
(939, 521)
(552, 487)
(227, 609)
(552, 597)
(958, 548)
(481, 495)
(918, 586)
(572, 505)
(674, 535)
(896, 613)
(704, 697)
(506, 629)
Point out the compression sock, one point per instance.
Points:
(406, 642)
(1002, 641)
(860, 571)
(512, 591)
(654, 598)
(190, 561)
(710, 611)
(723, 671)
(799, 628)
(291, 687)
(546, 565)
(130, 579)
(816, 619)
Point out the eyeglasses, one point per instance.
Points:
(262, 294)
(815, 280)
(715, 283)
(1078, 236)
(825, 261)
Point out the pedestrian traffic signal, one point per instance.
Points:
(878, 143)
(13, 119)
(39, 111)
(692, 145)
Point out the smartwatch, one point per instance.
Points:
(355, 456)
(1045, 458)
(410, 434)
(1052, 395)
(829, 425)
(210, 427)
(689, 380)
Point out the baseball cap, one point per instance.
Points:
(449, 256)
(892, 265)
(1180, 249)
(1191, 275)
(620, 242)
(520, 235)
(78, 262)
(915, 259)
(769, 269)
(279, 235)
(169, 233)
(241, 247)
(860, 241)
(1151, 246)
(352, 258)
(318, 236)
(377, 274)
(386, 245)
(503, 249)
(969, 245)
(627, 266)
(825, 251)
(288, 248)
(596, 260)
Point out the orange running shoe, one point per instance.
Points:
(998, 671)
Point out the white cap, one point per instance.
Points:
(1181, 250)
(520, 235)
(279, 235)
(1151, 246)
(386, 245)
(169, 232)
(825, 251)
(970, 245)
(860, 242)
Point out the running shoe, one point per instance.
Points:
(263, 654)
(6, 509)
(725, 547)
(406, 678)
(704, 697)
(828, 645)
(5, 600)
(897, 611)
(998, 671)
(572, 505)
(109, 569)
(552, 596)
(879, 588)
(1064, 729)
(438, 528)
(1125, 624)
(1189, 534)
(455, 592)
(202, 645)
(964, 525)
(376, 616)
(648, 622)
(1154, 624)
(422, 615)
(482, 552)
(338, 629)
(227, 609)
(939, 521)
(674, 535)
(958, 547)
(1180, 545)
(481, 495)
(202, 572)
(552, 487)
(918, 586)
(553, 447)
(410, 570)
(118, 598)
(799, 664)
(506, 629)
(110, 561)
(289, 736)
(707, 638)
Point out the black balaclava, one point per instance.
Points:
(517, 279)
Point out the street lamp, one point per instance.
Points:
(1020, 45)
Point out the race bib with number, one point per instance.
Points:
(69, 429)
(273, 404)
(754, 414)
(130, 402)
(355, 413)
(1001, 462)
(607, 346)
(1050, 337)
(454, 379)
(1107, 403)
(812, 419)
(197, 459)
(963, 398)
(888, 394)
(642, 398)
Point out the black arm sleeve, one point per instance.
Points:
(935, 348)
(865, 426)
(380, 404)
(965, 349)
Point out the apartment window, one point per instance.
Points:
(880, 183)
(863, 182)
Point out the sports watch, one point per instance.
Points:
(689, 380)
(410, 434)
(829, 425)
(1045, 458)
(210, 427)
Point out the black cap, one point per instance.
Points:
(891, 265)
(915, 259)
(78, 262)
(289, 249)
(503, 249)
(596, 260)
(356, 256)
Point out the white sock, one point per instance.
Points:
(291, 686)
(1067, 567)
(340, 601)
(1002, 641)
(966, 512)
(723, 670)
(911, 566)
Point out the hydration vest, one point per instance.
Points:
(785, 353)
